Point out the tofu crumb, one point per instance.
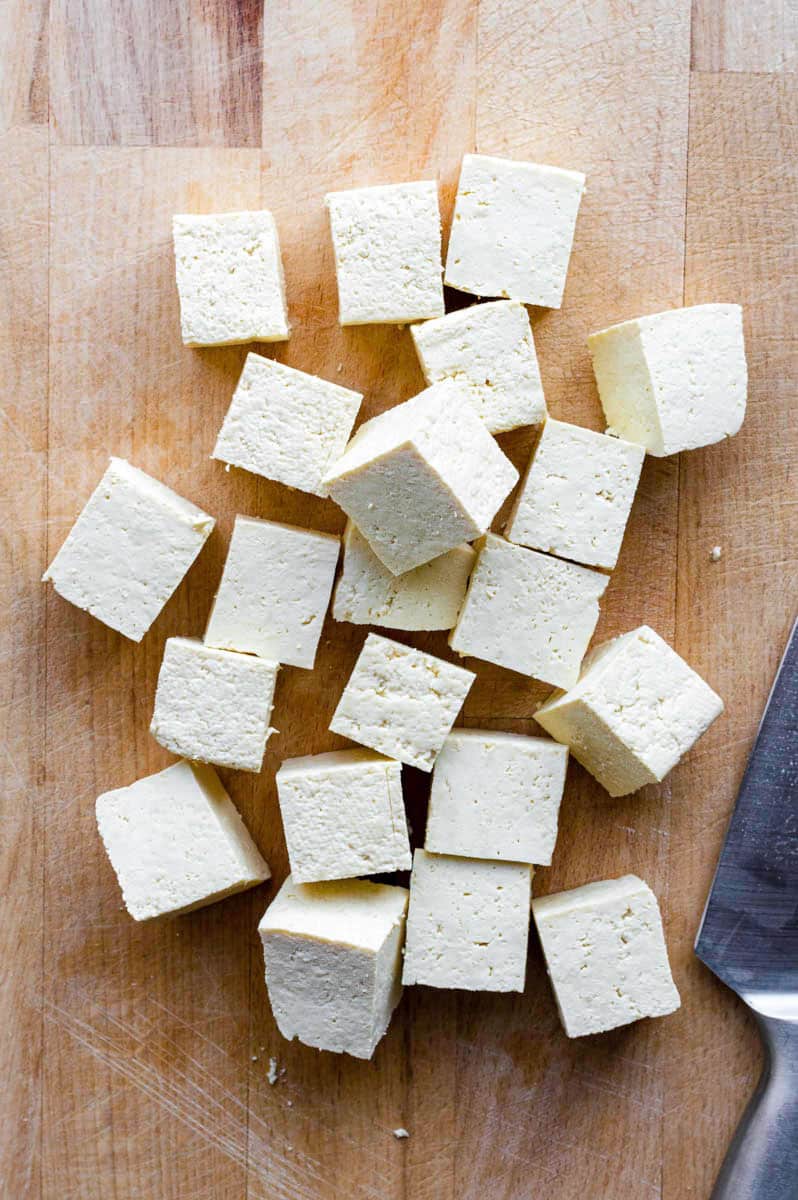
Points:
(400, 1133)
(289, 1104)
(715, 553)
(273, 1073)
(254, 1058)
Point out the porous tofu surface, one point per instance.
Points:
(401, 701)
(512, 229)
(577, 494)
(496, 795)
(176, 842)
(468, 923)
(230, 278)
(605, 954)
(333, 956)
(421, 478)
(387, 244)
(636, 709)
(529, 612)
(343, 815)
(214, 705)
(490, 349)
(129, 549)
(274, 591)
(286, 425)
(428, 597)
(674, 380)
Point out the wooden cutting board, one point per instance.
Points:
(137, 1055)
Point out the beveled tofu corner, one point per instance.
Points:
(635, 711)
(675, 380)
(128, 550)
(605, 955)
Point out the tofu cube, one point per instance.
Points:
(274, 592)
(176, 842)
(286, 425)
(496, 795)
(387, 244)
(468, 923)
(230, 279)
(529, 612)
(675, 380)
(605, 955)
(128, 550)
(333, 955)
(421, 478)
(489, 348)
(401, 702)
(636, 709)
(577, 494)
(212, 705)
(512, 229)
(343, 815)
(428, 597)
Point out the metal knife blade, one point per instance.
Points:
(749, 931)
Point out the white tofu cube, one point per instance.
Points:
(489, 348)
(636, 709)
(421, 478)
(176, 842)
(401, 702)
(333, 954)
(529, 612)
(496, 795)
(428, 597)
(230, 279)
(387, 243)
(577, 494)
(512, 229)
(605, 955)
(214, 705)
(128, 549)
(343, 815)
(274, 592)
(286, 425)
(468, 923)
(675, 380)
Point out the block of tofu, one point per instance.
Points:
(489, 348)
(496, 795)
(230, 279)
(605, 954)
(675, 380)
(577, 494)
(636, 709)
(333, 955)
(428, 597)
(529, 612)
(421, 478)
(468, 923)
(176, 842)
(212, 705)
(400, 701)
(286, 425)
(343, 815)
(512, 229)
(274, 592)
(387, 244)
(128, 549)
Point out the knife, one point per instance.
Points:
(749, 938)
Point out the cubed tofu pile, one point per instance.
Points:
(420, 486)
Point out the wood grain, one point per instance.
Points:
(23, 417)
(733, 616)
(146, 1048)
(145, 73)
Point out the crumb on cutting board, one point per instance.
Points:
(715, 553)
(400, 1133)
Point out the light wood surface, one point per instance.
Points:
(136, 1056)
